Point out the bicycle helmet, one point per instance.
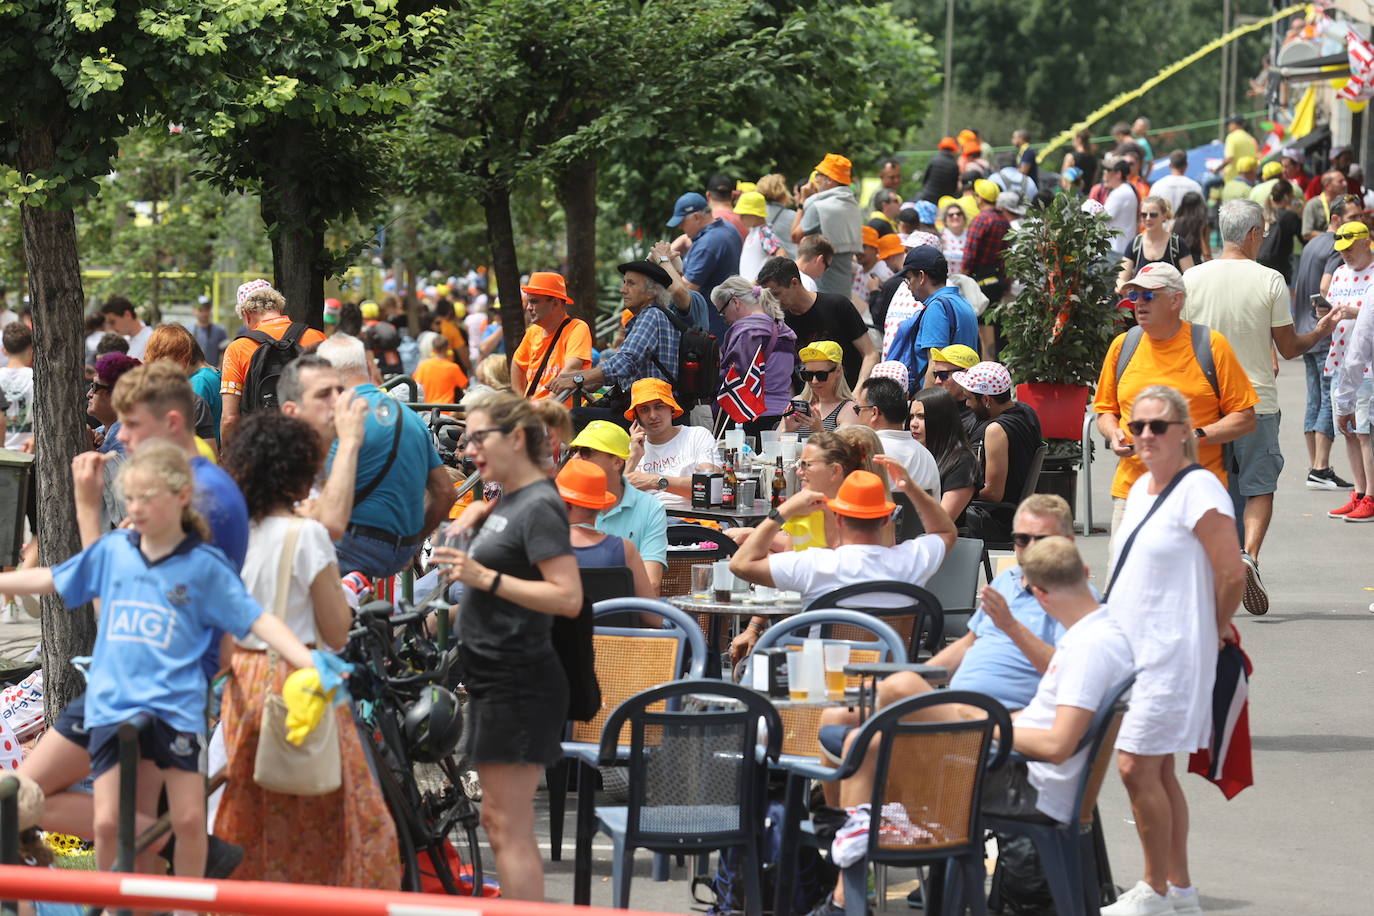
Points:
(433, 725)
(383, 337)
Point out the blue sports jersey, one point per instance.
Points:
(157, 620)
(217, 498)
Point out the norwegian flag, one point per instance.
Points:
(742, 398)
(1360, 86)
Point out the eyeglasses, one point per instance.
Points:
(96, 386)
(859, 407)
(1022, 539)
(728, 302)
(1156, 427)
(478, 437)
(803, 463)
(1141, 295)
(1150, 214)
(942, 375)
(817, 375)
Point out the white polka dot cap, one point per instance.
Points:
(1093, 206)
(891, 369)
(984, 378)
(252, 286)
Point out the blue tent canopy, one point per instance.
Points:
(1197, 162)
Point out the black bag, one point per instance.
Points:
(696, 377)
(1018, 882)
(572, 640)
(815, 875)
(266, 364)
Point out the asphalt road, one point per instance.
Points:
(1299, 840)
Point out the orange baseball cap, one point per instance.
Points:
(890, 244)
(862, 495)
(947, 143)
(547, 283)
(835, 167)
(648, 390)
(870, 237)
(584, 484)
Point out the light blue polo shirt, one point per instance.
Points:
(398, 503)
(639, 518)
(994, 665)
(157, 620)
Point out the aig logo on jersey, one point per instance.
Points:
(135, 621)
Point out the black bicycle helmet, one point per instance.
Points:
(382, 337)
(433, 725)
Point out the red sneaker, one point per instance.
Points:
(1346, 509)
(1364, 512)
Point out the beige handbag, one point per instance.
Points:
(313, 767)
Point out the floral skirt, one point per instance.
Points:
(343, 839)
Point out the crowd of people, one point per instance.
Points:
(246, 484)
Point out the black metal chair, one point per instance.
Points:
(909, 609)
(927, 790)
(697, 779)
(1073, 859)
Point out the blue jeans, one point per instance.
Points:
(371, 557)
(1317, 418)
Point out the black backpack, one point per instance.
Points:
(266, 364)
(696, 377)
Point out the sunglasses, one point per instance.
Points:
(478, 437)
(1150, 214)
(1021, 539)
(942, 375)
(1141, 295)
(818, 375)
(96, 386)
(1353, 234)
(1156, 427)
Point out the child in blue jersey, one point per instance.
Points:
(163, 591)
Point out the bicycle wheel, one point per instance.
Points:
(450, 817)
(400, 809)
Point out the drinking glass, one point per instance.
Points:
(836, 657)
(701, 581)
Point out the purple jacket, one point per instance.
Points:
(742, 340)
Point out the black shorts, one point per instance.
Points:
(71, 722)
(1008, 792)
(518, 709)
(159, 742)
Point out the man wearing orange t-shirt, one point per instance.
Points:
(260, 308)
(548, 325)
(439, 376)
(1165, 357)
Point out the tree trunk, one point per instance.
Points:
(298, 245)
(577, 194)
(57, 300)
(506, 269)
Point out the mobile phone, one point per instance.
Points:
(1319, 303)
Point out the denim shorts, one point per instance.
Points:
(1317, 418)
(1257, 458)
(1362, 395)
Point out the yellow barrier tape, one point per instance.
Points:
(1164, 74)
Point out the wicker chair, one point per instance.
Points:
(909, 609)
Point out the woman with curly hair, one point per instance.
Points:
(274, 459)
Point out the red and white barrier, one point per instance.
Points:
(256, 898)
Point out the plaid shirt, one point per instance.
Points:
(984, 243)
(648, 334)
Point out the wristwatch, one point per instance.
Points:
(775, 515)
(662, 483)
(664, 260)
(578, 380)
(1200, 432)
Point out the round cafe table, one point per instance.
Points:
(735, 609)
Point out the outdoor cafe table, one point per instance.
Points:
(742, 517)
(735, 608)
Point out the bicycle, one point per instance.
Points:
(395, 661)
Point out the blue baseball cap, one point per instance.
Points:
(691, 202)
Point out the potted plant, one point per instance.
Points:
(1057, 329)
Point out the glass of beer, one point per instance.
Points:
(796, 678)
(836, 657)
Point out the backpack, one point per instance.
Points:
(1138, 243)
(266, 364)
(724, 888)
(696, 376)
(1202, 352)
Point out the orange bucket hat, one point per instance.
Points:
(862, 495)
(835, 167)
(648, 390)
(870, 236)
(547, 283)
(890, 244)
(583, 484)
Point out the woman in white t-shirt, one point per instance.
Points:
(345, 838)
(1172, 592)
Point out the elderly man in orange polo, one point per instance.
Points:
(554, 342)
(829, 208)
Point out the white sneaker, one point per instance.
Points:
(1185, 900)
(1140, 900)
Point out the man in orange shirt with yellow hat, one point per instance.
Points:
(832, 210)
(553, 341)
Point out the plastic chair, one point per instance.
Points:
(605, 583)
(910, 609)
(696, 775)
(955, 584)
(927, 788)
(1032, 481)
(628, 660)
(1069, 852)
(677, 578)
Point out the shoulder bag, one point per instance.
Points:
(1159, 501)
(572, 640)
(315, 767)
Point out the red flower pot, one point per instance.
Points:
(1059, 407)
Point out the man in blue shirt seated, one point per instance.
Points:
(402, 489)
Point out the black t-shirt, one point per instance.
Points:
(1088, 163)
(527, 527)
(1022, 427)
(960, 469)
(941, 177)
(834, 318)
(1276, 251)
